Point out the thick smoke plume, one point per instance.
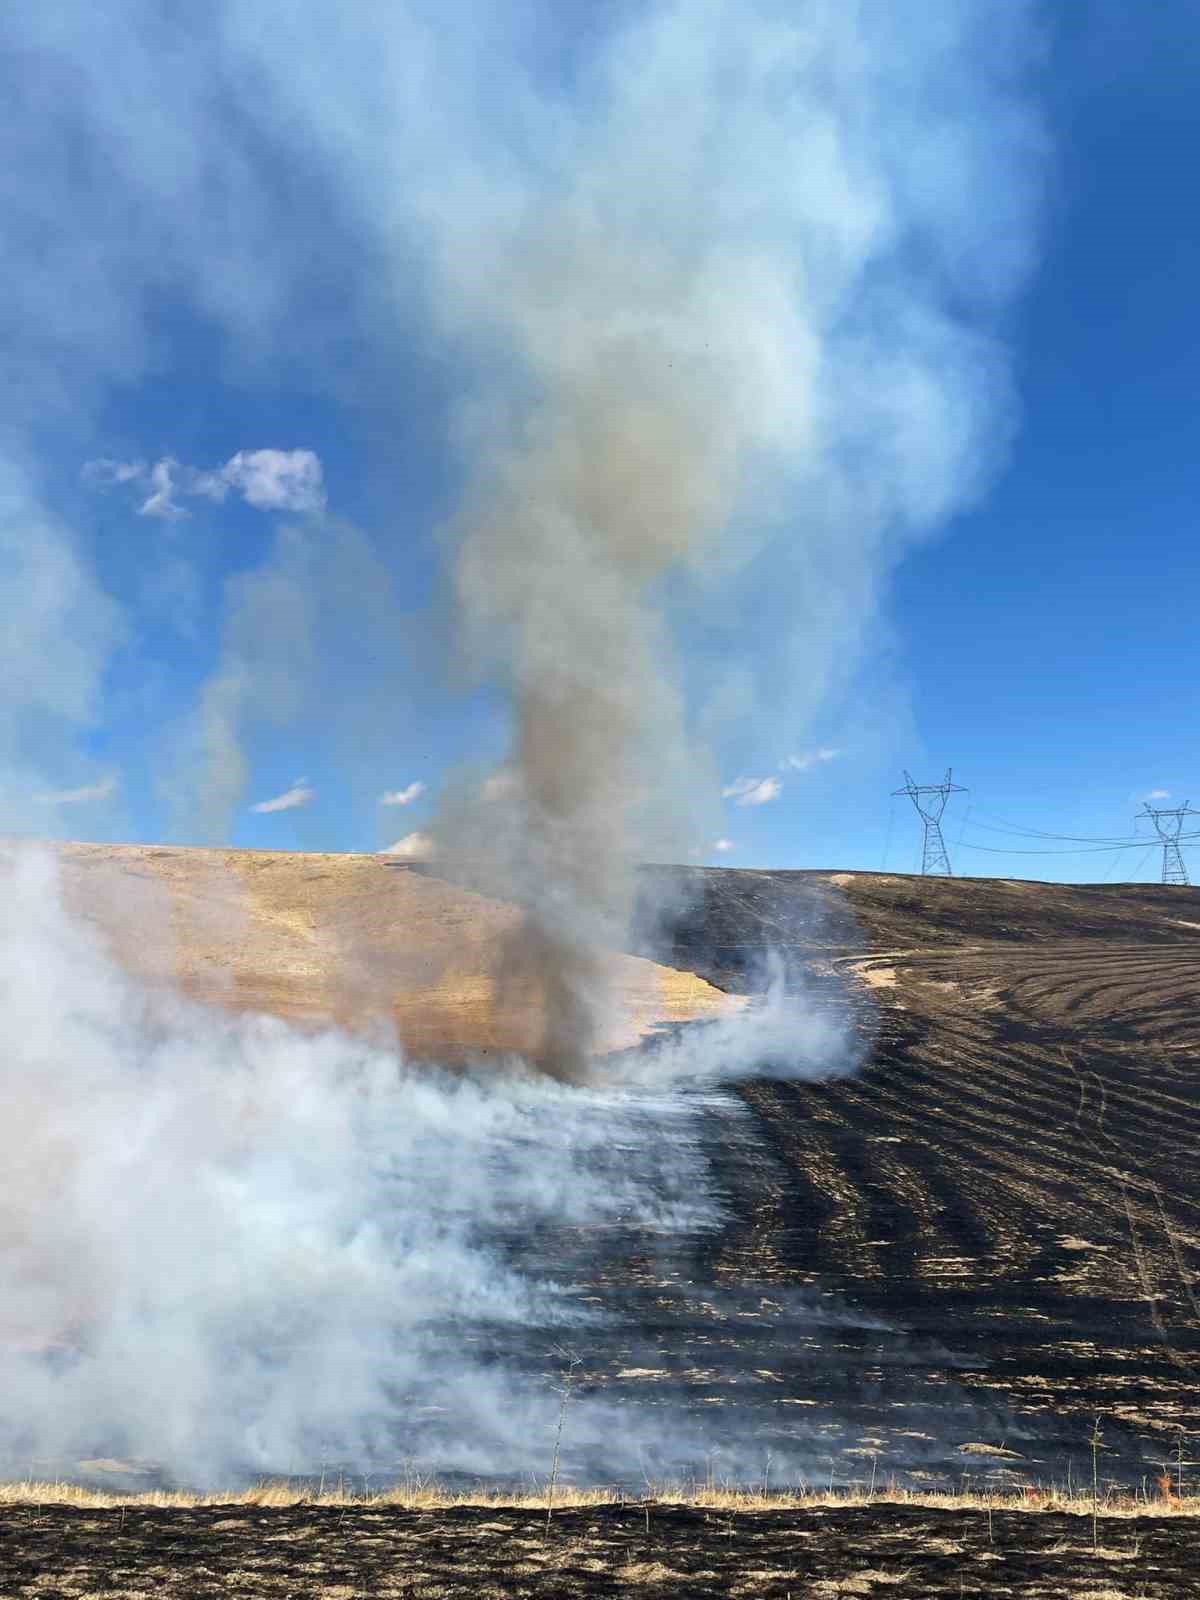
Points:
(746, 304)
(723, 284)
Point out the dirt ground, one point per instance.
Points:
(889, 1551)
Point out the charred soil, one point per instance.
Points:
(1012, 1175)
(883, 1549)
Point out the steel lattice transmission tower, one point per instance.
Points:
(934, 859)
(1169, 825)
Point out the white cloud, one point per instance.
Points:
(269, 480)
(413, 847)
(105, 472)
(158, 503)
(402, 797)
(1159, 794)
(298, 795)
(211, 485)
(807, 759)
(276, 480)
(99, 790)
(723, 846)
(752, 791)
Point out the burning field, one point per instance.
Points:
(513, 417)
(883, 1201)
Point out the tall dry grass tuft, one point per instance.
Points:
(424, 1494)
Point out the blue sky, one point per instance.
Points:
(326, 281)
(1049, 633)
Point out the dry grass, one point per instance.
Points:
(353, 939)
(429, 1495)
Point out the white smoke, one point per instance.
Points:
(59, 634)
(725, 312)
(230, 1247)
(321, 609)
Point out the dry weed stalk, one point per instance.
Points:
(573, 1362)
(1095, 1442)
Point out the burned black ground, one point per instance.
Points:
(907, 1553)
(1011, 1177)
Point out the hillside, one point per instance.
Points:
(352, 938)
(946, 1264)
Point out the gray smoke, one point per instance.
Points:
(742, 299)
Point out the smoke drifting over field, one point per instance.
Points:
(232, 1247)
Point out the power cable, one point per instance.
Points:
(962, 825)
(887, 843)
(1100, 841)
(1040, 833)
(1113, 864)
(1141, 864)
(1086, 850)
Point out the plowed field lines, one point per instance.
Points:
(1015, 1166)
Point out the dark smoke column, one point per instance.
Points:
(603, 495)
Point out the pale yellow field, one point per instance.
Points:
(352, 938)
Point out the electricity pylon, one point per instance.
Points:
(1169, 825)
(934, 860)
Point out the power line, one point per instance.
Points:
(1086, 850)
(887, 843)
(934, 860)
(997, 825)
(930, 802)
(1112, 866)
(1143, 861)
(962, 825)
